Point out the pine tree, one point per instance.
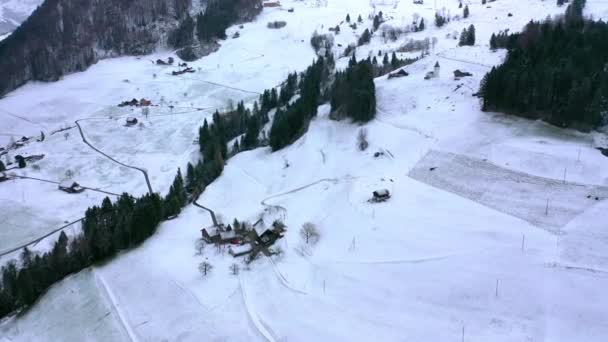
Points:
(493, 45)
(2, 167)
(465, 12)
(394, 61)
(365, 37)
(348, 18)
(462, 41)
(421, 25)
(359, 19)
(471, 35)
(385, 60)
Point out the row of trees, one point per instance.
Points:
(556, 71)
(291, 120)
(107, 229)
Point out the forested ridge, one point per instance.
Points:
(65, 36)
(555, 70)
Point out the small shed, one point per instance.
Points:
(131, 121)
(400, 73)
(70, 187)
(381, 195)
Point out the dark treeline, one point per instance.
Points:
(353, 93)
(291, 119)
(555, 70)
(107, 229)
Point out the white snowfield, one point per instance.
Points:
(466, 252)
(13, 13)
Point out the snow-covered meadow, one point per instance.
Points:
(429, 265)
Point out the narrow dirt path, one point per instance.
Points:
(211, 212)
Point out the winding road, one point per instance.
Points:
(144, 172)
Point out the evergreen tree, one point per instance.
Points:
(394, 61)
(465, 12)
(471, 35)
(2, 167)
(365, 37)
(421, 25)
(348, 18)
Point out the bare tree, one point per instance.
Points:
(234, 269)
(199, 246)
(309, 233)
(69, 174)
(362, 142)
(278, 252)
(205, 268)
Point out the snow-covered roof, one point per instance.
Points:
(68, 184)
(239, 249)
(227, 235)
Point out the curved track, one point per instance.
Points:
(144, 172)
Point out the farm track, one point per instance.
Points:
(35, 241)
(109, 295)
(55, 182)
(144, 172)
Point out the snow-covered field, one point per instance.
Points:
(14, 12)
(431, 264)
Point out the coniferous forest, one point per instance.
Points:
(555, 70)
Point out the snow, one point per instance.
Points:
(465, 249)
(14, 12)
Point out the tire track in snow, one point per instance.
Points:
(109, 295)
(284, 280)
(264, 330)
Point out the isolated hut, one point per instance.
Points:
(381, 195)
(70, 187)
(131, 121)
